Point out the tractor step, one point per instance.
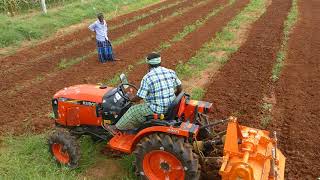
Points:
(122, 142)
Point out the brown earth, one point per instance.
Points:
(29, 109)
(81, 45)
(297, 112)
(206, 74)
(47, 46)
(185, 49)
(105, 169)
(239, 86)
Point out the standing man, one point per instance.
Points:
(158, 88)
(103, 44)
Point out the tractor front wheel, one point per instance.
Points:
(64, 148)
(160, 156)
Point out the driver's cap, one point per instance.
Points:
(153, 58)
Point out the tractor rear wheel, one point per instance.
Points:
(161, 156)
(64, 148)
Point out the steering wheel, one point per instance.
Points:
(124, 92)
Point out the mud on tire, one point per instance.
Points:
(64, 148)
(169, 145)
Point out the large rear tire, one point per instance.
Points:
(64, 148)
(161, 156)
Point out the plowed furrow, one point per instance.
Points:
(239, 86)
(125, 17)
(90, 71)
(297, 112)
(40, 67)
(182, 51)
(48, 46)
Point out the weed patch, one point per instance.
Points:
(265, 121)
(197, 93)
(266, 117)
(126, 163)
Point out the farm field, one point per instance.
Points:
(254, 59)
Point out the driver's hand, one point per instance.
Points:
(131, 96)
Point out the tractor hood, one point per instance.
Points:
(85, 92)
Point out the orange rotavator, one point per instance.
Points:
(181, 144)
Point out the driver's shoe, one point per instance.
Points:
(112, 129)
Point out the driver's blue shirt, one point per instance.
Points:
(158, 88)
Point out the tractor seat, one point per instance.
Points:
(169, 117)
(174, 107)
(172, 110)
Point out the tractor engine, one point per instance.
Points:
(88, 105)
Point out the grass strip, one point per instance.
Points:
(27, 157)
(197, 93)
(178, 37)
(14, 30)
(67, 63)
(288, 28)
(136, 18)
(292, 18)
(217, 52)
(223, 45)
(190, 28)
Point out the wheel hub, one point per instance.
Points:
(159, 164)
(165, 166)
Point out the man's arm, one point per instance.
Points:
(178, 90)
(92, 27)
(106, 30)
(143, 91)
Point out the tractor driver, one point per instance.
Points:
(158, 88)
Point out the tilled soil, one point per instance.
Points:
(30, 67)
(48, 46)
(239, 86)
(28, 110)
(297, 112)
(183, 50)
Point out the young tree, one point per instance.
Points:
(44, 7)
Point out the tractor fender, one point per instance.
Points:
(127, 142)
(185, 130)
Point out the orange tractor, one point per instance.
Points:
(181, 144)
